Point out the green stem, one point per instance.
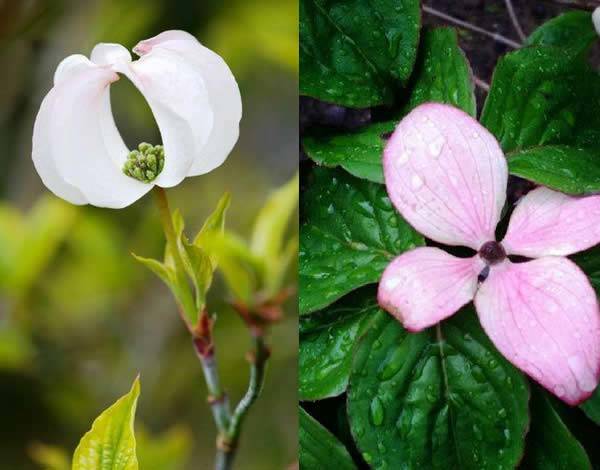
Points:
(258, 362)
(217, 398)
(166, 220)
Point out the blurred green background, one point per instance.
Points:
(78, 317)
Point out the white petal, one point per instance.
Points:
(109, 54)
(84, 142)
(178, 98)
(70, 66)
(223, 94)
(43, 159)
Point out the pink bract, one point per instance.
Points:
(447, 176)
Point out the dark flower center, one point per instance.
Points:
(492, 252)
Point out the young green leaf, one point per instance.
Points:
(567, 169)
(110, 444)
(350, 233)
(319, 449)
(442, 398)
(442, 74)
(357, 53)
(199, 265)
(215, 222)
(178, 285)
(326, 347)
(242, 270)
(550, 444)
(270, 227)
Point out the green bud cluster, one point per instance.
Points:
(145, 163)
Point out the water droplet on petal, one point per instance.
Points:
(435, 146)
(416, 181)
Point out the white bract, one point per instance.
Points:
(77, 149)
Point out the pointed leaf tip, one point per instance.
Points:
(110, 443)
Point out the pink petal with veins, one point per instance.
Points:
(426, 285)
(446, 174)
(549, 223)
(543, 317)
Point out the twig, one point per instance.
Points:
(472, 27)
(515, 21)
(216, 396)
(258, 361)
(481, 84)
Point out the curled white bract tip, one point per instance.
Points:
(77, 149)
(596, 19)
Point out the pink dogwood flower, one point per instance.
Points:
(447, 176)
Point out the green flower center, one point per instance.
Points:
(145, 163)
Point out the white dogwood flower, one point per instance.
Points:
(77, 149)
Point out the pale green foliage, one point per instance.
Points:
(256, 270)
(110, 444)
(240, 268)
(268, 236)
(169, 451)
(50, 457)
(27, 243)
(199, 265)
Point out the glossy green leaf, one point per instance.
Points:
(357, 53)
(567, 169)
(319, 449)
(443, 398)
(591, 407)
(442, 74)
(550, 444)
(349, 234)
(110, 444)
(542, 95)
(327, 345)
(573, 30)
